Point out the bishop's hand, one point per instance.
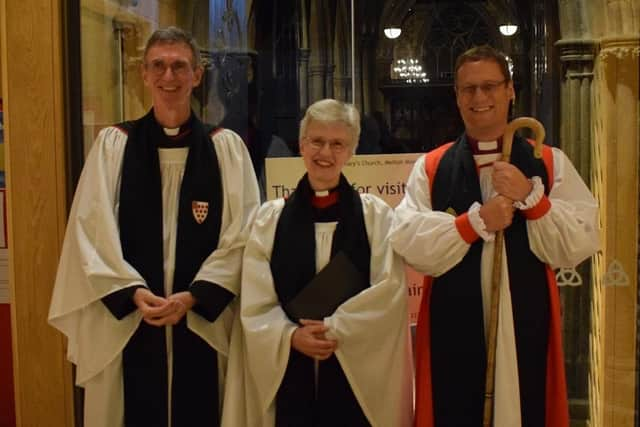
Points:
(497, 213)
(510, 182)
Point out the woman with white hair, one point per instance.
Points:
(351, 365)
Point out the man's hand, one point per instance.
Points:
(497, 213)
(151, 306)
(158, 311)
(510, 182)
(309, 339)
(180, 303)
(183, 301)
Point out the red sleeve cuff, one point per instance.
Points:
(465, 229)
(538, 210)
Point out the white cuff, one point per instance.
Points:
(329, 323)
(534, 196)
(478, 223)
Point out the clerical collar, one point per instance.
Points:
(324, 199)
(484, 147)
(176, 137)
(171, 131)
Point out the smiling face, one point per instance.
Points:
(325, 149)
(483, 96)
(170, 75)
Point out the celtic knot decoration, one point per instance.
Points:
(615, 275)
(568, 277)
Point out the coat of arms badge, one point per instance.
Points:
(200, 210)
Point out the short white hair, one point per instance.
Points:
(330, 111)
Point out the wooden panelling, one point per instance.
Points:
(32, 76)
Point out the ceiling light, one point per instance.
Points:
(507, 29)
(392, 32)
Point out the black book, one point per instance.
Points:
(338, 281)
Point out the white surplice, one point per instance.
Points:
(563, 237)
(92, 265)
(371, 328)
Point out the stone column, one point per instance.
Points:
(342, 87)
(316, 82)
(357, 96)
(616, 184)
(575, 127)
(366, 45)
(340, 81)
(303, 77)
(328, 84)
(341, 54)
(577, 57)
(317, 54)
(612, 106)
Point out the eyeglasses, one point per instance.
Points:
(317, 144)
(487, 88)
(178, 68)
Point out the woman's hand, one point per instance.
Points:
(309, 339)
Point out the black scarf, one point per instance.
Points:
(293, 265)
(293, 260)
(140, 216)
(458, 355)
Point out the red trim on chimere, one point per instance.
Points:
(556, 404)
(424, 391)
(538, 210)
(465, 229)
(432, 160)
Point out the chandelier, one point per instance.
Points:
(410, 70)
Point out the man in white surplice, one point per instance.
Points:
(457, 197)
(152, 255)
